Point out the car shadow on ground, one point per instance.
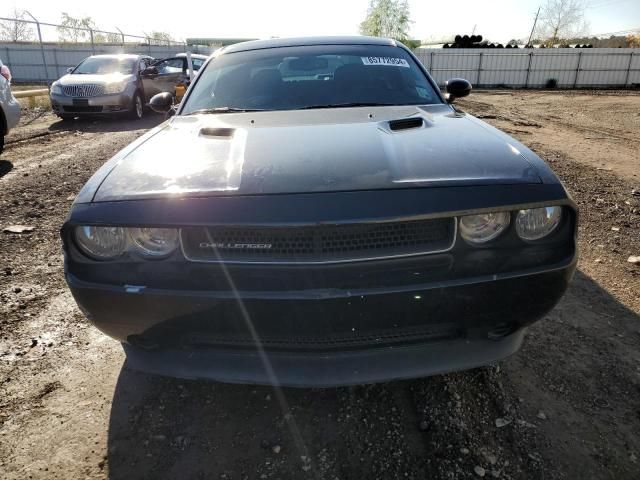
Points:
(5, 167)
(169, 428)
(114, 123)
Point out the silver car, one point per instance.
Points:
(118, 84)
(9, 106)
(102, 84)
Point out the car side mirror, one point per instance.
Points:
(70, 69)
(457, 88)
(149, 71)
(161, 102)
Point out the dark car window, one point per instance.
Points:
(197, 63)
(304, 77)
(106, 65)
(171, 65)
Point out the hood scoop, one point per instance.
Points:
(217, 132)
(406, 123)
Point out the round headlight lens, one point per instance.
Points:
(536, 223)
(483, 227)
(154, 242)
(100, 243)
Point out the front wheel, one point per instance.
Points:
(137, 107)
(1, 142)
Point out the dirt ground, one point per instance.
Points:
(566, 406)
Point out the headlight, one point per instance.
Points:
(154, 242)
(56, 89)
(536, 223)
(117, 87)
(483, 227)
(101, 243)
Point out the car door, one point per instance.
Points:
(170, 72)
(143, 64)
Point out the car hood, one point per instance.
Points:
(315, 151)
(76, 79)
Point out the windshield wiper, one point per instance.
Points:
(204, 111)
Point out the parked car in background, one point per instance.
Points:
(118, 84)
(103, 84)
(9, 106)
(332, 219)
(166, 74)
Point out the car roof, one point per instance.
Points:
(307, 41)
(120, 56)
(194, 55)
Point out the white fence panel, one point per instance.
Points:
(569, 67)
(634, 69)
(518, 68)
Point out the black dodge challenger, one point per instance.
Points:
(318, 213)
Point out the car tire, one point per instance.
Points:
(137, 107)
(66, 118)
(1, 142)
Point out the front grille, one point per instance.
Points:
(318, 244)
(83, 91)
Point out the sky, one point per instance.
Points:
(496, 20)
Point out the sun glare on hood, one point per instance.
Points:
(167, 165)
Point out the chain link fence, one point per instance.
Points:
(40, 52)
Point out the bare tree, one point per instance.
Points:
(560, 20)
(161, 37)
(633, 41)
(387, 18)
(113, 38)
(15, 30)
(74, 29)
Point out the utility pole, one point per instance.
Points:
(535, 21)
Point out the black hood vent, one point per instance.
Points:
(406, 123)
(217, 132)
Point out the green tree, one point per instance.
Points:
(387, 18)
(74, 29)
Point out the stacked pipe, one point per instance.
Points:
(466, 41)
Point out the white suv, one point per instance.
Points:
(9, 106)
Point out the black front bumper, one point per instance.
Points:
(321, 338)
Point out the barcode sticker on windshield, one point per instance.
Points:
(398, 62)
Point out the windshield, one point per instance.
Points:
(106, 65)
(311, 77)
